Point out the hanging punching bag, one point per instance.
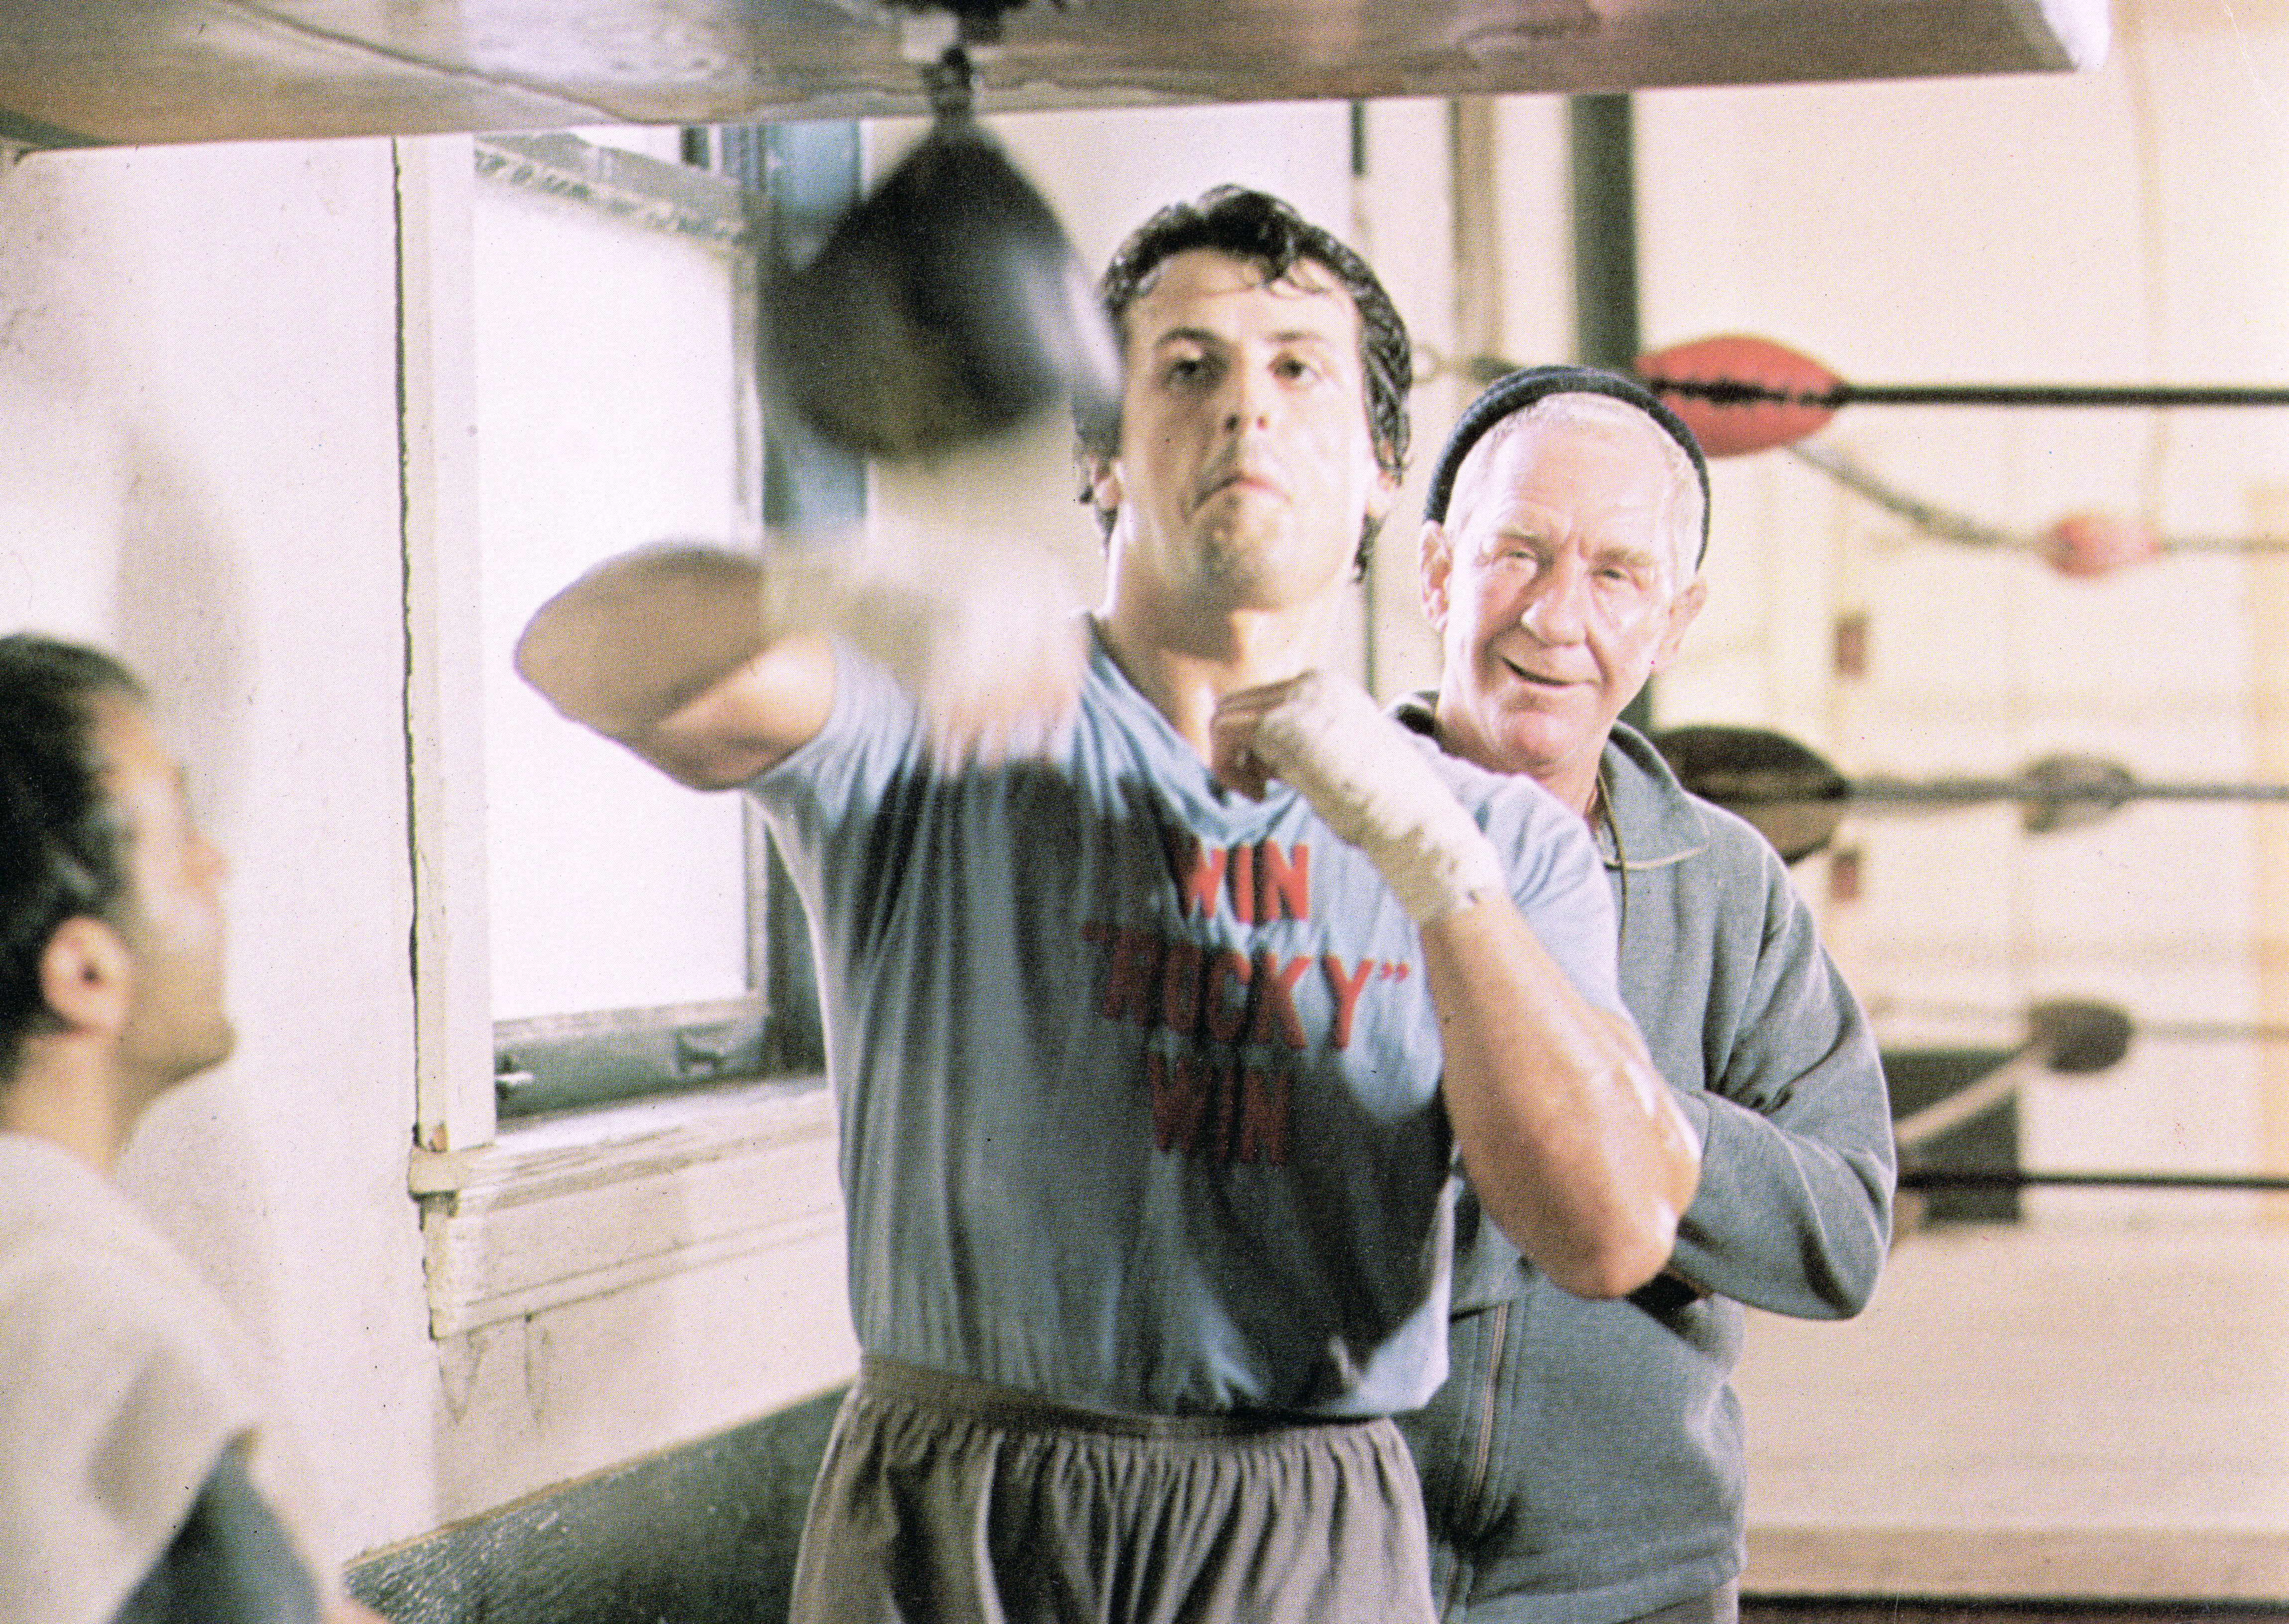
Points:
(947, 305)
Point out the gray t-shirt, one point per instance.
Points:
(1138, 1079)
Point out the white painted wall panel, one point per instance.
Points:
(200, 469)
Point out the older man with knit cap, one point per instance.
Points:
(1583, 1461)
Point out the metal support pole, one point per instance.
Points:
(1604, 162)
(1602, 148)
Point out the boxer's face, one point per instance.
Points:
(1247, 467)
(1556, 593)
(173, 925)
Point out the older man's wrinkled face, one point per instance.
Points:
(1556, 593)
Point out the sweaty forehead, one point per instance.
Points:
(1210, 291)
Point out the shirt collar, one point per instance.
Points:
(1658, 822)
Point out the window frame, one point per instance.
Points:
(727, 194)
(522, 1213)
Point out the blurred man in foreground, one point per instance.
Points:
(1583, 1463)
(143, 1480)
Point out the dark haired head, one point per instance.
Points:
(63, 848)
(1268, 234)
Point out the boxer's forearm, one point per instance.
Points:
(670, 651)
(1572, 1141)
(640, 636)
(713, 667)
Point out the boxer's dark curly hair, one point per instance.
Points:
(1260, 228)
(63, 844)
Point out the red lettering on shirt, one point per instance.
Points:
(1180, 987)
(1227, 1109)
(1224, 1112)
(1284, 882)
(1191, 1105)
(1130, 981)
(1346, 992)
(1275, 1004)
(1225, 1019)
(1263, 1117)
(1214, 1091)
(1203, 879)
(1265, 881)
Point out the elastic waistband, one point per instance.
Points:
(1016, 1408)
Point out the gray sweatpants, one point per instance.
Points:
(953, 1502)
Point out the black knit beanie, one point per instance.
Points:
(1517, 391)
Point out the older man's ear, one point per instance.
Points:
(1682, 610)
(1434, 561)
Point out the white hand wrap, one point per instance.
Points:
(953, 627)
(1364, 774)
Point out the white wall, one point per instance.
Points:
(198, 466)
(199, 390)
